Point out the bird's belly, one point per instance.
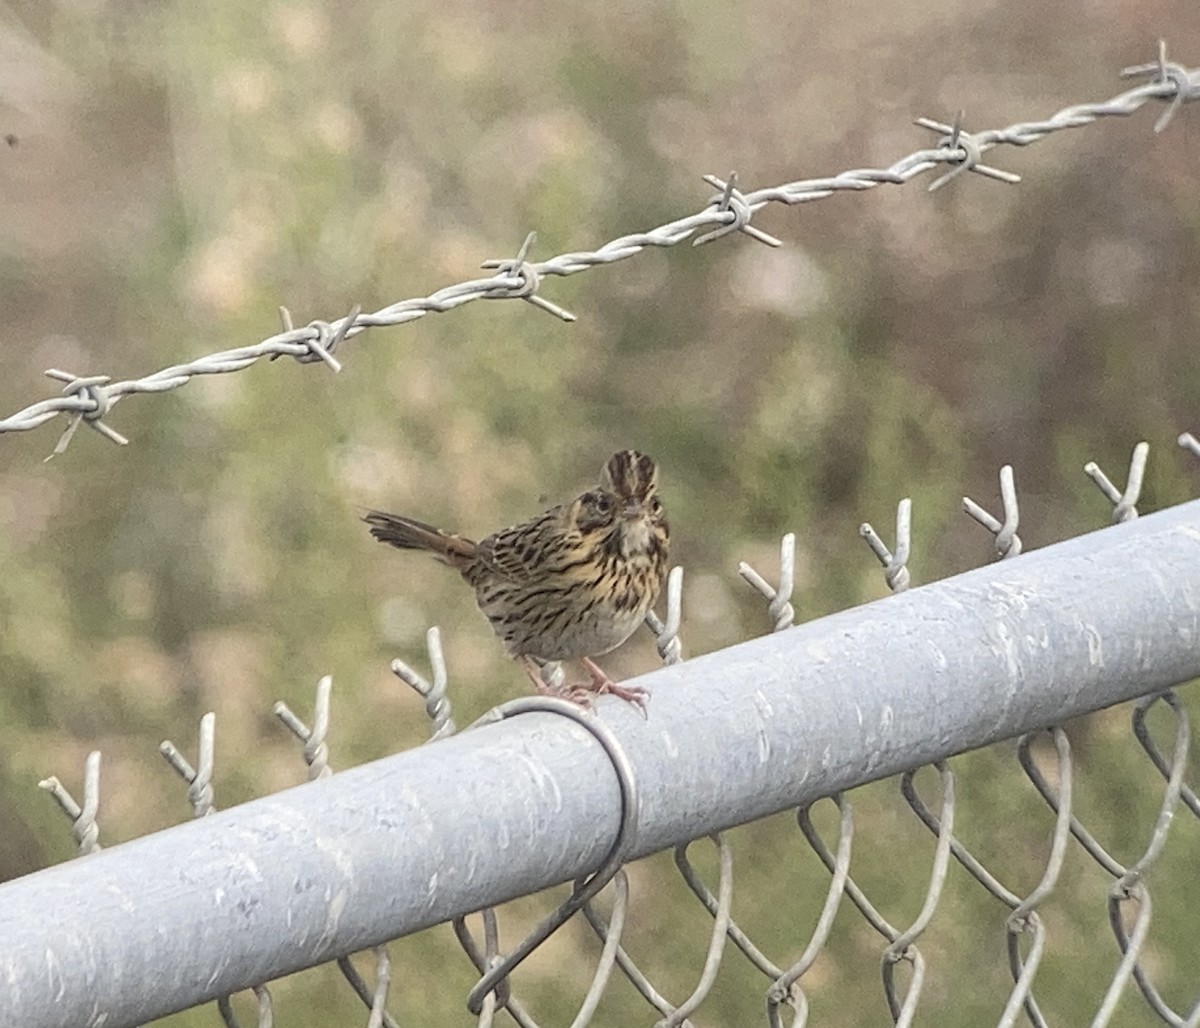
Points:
(588, 636)
(555, 625)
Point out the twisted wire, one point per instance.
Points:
(88, 399)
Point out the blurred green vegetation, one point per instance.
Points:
(180, 170)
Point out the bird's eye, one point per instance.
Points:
(602, 503)
(656, 506)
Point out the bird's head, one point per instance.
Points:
(626, 503)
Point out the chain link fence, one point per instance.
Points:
(539, 793)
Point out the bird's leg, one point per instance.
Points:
(601, 684)
(577, 694)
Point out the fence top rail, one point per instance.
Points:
(505, 809)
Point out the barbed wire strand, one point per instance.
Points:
(88, 399)
(316, 757)
(200, 796)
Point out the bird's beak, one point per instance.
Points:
(631, 510)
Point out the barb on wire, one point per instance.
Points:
(326, 338)
(84, 828)
(89, 399)
(1008, 543)
(1124, 503)
(666, 633)
(965, 154)
(733, 202)
(779, 601)
(895, 565)
(437, 703)
(1184, 85)
(523, 281)
(93, 402)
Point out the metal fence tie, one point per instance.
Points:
(587, 886)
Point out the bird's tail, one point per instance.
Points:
(408, 534)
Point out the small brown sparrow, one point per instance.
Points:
(571, 583)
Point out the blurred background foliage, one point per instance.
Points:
(177, 170)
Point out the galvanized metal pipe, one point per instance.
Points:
(329, 868)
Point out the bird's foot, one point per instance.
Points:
(581, 694)
(584, 694)
(601, 684)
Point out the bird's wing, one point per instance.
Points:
(519, 553)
